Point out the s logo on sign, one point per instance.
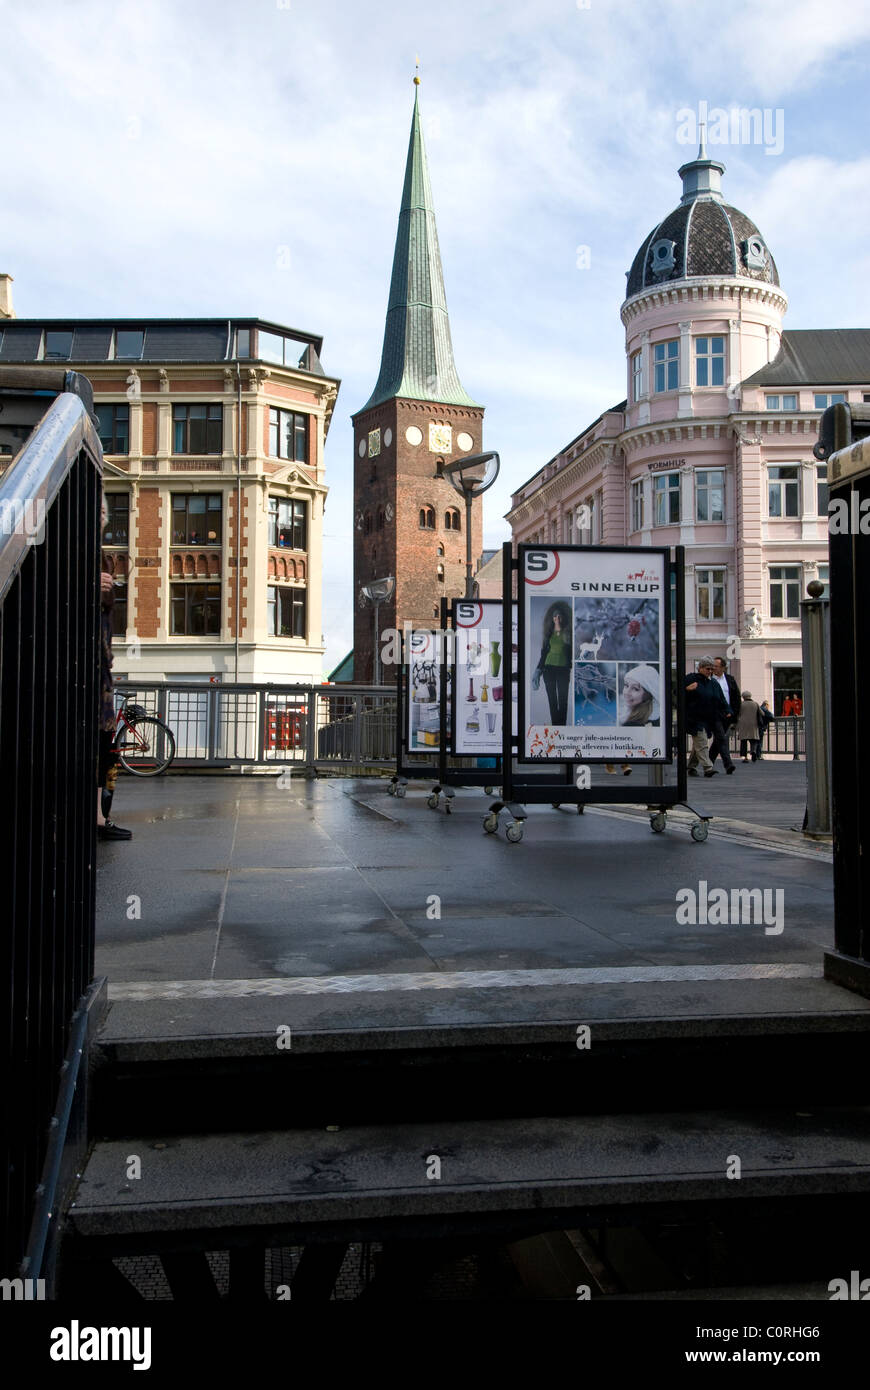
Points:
(468, 614)
(541, 566)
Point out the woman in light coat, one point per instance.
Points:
(749, 728)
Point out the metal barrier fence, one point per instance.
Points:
(785, 735)
(228, 726)
(316, 726)
(49, 703)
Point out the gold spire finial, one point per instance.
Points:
(417, 73)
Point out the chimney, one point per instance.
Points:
(6, 309)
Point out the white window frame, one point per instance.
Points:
(668, 364)
(661, 494)
(707, 488)
(638, 505)
(709, 357)
(636, 376)
(783, 484)
(707, 583)
(783, 585)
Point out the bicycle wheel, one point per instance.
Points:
(147, 747)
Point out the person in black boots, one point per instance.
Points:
(107, 769)
(733, 700)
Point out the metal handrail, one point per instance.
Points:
(49, 703)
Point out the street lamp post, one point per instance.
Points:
(378, 592)
(471, 477)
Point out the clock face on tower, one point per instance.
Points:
(440, 438)
(374, 443)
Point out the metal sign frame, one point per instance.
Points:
(519, 788)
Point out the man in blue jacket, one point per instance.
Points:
(705, 708)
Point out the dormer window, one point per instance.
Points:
(754, 253)
(662, 256)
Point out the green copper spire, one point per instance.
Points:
(417, 358)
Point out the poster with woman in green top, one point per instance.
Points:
(555, 662)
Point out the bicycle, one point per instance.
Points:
(144, 744)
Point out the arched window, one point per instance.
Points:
(452, 521)
(367, 524)
(439, 468)
(440, 550)
(441, 574)
(381, 518)
(427, 518)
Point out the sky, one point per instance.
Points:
(246, 157)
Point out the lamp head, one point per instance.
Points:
(379, 590)
(472, 476)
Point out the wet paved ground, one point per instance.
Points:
(240, 879)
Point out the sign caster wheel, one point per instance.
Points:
(700, 830)
(490, 823)
(400, 791)
(658, 822)
(514, 832)
(432, 802)
(487, 791)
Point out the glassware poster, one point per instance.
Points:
(485, 666)
(424, 691)
(594, 677)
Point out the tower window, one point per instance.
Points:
(381, 518)
(427, 518)
(666, 357)
(440, 550)
(440, 573)
(709, 361)
(636, 376)
(439, 468)
(452, 521)
(367, 524)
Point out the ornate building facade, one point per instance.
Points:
(409, 523)
(712, 447)
(213, 433)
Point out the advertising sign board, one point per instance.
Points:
(594, 683)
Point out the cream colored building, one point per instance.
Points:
(204, 421)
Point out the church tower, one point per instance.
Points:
(409, 523)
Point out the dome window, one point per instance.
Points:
(754, 253)
(662, 253)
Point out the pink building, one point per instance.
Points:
(712, 449)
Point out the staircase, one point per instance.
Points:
(713, 1139)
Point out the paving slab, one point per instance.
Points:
(242, 883)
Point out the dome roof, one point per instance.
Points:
(703, 236)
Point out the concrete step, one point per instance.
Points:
(297, 1062)
(447, 1176)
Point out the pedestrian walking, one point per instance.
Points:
(732, 698)
(765, 719)
(749, 728)
(704, 703)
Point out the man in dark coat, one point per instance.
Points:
(732, 698)
(705, 708)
